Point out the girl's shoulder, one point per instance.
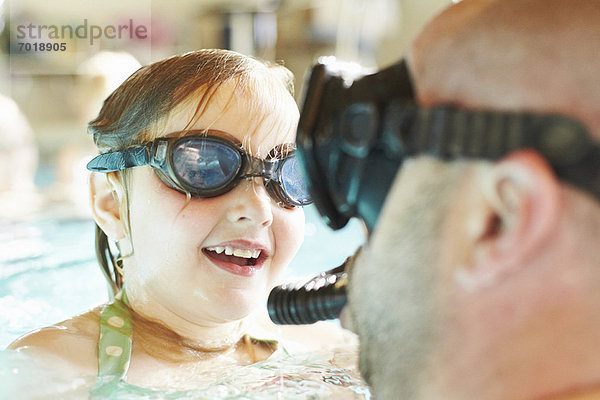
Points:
(75, 340)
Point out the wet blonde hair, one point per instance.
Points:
(152, 92)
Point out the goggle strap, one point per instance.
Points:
(119, 160)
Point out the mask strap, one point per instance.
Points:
(449, 133)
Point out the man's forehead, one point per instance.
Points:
(478, 35)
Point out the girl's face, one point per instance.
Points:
(172, 264)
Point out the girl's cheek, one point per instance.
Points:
(289, 232)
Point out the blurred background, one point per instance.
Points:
(58, 61)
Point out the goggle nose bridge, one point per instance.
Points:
(256, 167)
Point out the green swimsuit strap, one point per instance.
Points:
(114, 346)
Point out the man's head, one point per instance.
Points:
(485, 272)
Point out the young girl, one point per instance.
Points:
(198, 187)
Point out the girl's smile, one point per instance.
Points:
(239, 257)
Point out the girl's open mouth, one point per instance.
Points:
(244, 262)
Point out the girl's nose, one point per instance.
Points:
(251, 203)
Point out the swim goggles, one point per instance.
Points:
(209, 166)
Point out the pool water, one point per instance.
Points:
(289, 376)
(48, 272)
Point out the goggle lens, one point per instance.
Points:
(209, 166)
(293, 183)
(204, 164)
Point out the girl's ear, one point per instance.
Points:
(107, 195)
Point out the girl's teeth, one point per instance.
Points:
(240, 253)
(246, 253)
(235, 252)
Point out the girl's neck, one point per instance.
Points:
(161, 343)
(153, 317)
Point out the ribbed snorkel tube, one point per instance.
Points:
(320, 298)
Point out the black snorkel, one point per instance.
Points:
(348, 174)
(320, 298)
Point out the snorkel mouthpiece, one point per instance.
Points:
(322, 297)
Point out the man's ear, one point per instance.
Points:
(107, 196)
(521, 199)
